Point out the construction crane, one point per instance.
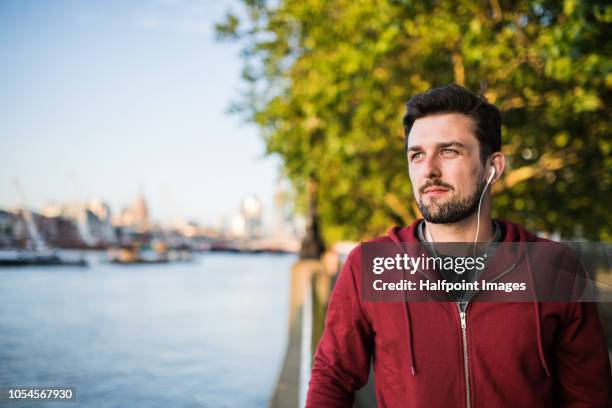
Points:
(39, 244)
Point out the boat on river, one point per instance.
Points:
(29, 257)
(156, 253)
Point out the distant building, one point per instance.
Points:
(135, 216)
(187, 228)
(55, 231)
(247, 223)
(60, 232)
(13, 231)
(100, 222)
(92, 220)
(251, 214)
(238, 226)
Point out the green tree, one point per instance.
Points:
(327, 82)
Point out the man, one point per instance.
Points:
(457, 354)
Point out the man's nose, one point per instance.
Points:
(432, 168)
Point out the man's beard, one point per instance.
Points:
(453, 210)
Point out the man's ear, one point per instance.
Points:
(497, 161)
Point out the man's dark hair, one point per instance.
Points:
(454, 98)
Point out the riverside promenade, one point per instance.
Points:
(311, 284)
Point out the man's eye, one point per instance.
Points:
(449, 152)
(416, 156)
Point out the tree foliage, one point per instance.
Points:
(328, 81)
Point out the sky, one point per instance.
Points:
(107, 99)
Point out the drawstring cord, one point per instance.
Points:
(538, 319)
(410, 342)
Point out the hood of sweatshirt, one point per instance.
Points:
(512, 233)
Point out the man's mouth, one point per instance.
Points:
(435, 191)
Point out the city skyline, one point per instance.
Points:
(108, 100)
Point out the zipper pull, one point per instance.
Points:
(463, 321)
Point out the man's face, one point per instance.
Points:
(445, 168)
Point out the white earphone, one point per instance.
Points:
(489, 180)
(493, 172)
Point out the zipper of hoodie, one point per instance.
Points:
(463, 326)
(464, 338)
(466, 367)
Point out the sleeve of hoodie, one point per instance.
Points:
(583, 365)
(342, 360)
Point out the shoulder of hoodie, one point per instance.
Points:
(553, 248)
(533, 237)
(354, 255)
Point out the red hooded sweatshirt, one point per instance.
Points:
(519, 354)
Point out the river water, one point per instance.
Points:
(209, 333)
